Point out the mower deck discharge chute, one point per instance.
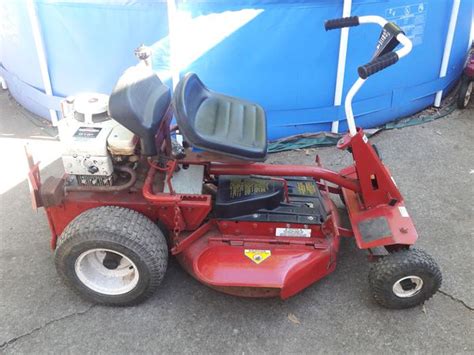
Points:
(236, 224)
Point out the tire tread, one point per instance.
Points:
(382, 271)
(124, 226)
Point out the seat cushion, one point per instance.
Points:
(220, 123)
(225, 121)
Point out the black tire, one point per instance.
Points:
(137, 239)
(465, 92)
(389, 270)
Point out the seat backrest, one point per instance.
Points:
(188, 96)
(140, 101)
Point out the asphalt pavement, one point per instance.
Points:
(433, 165)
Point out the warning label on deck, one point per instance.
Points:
(256, 255)
(293, 232)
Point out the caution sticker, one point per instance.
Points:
(257, 256)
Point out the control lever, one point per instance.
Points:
(377, 64)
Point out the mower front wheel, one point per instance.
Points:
(112, 255)
(404, 279)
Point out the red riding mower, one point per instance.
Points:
(239, 226)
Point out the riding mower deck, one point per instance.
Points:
(234, 223)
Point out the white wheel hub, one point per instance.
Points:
(115, 276)
(408, 286)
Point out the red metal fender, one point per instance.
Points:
(469, 69)
(221, 261)
(381, 225)
(285, 272)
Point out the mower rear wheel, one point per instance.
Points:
(112, 255)
(404, 279)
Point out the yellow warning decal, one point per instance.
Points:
(306, 188)
(247, 187)
(257, 256)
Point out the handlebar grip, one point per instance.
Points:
(341, 22)
(377, 64)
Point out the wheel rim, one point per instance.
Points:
(407, 286)
(106, 271)
(468, 94)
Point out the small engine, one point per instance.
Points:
(92, 141)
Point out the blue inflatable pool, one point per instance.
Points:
(276, 53)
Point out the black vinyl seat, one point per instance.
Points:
(139, 101)
(219, 123)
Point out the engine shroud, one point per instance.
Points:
(92, 140)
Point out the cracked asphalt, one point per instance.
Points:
(433, 165)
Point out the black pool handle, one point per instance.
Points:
(341, 22)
